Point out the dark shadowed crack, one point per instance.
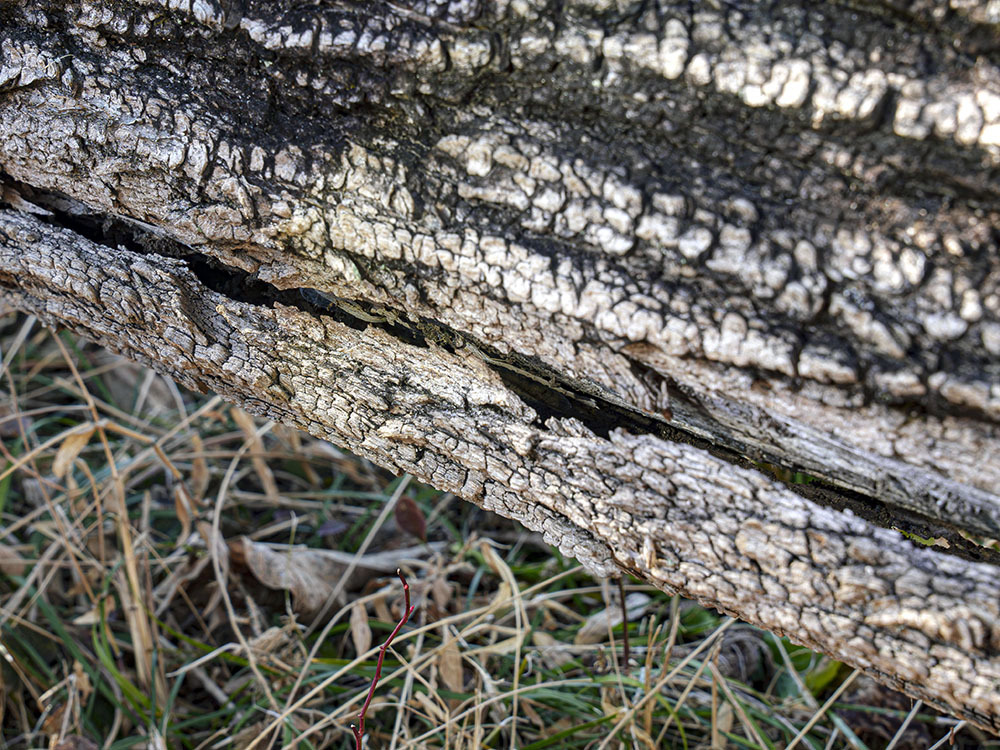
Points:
(548, 392)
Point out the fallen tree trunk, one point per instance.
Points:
(619, 270)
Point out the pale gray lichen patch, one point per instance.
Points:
(891, 341)
(209, 13)
(793, 69)
(24, 64)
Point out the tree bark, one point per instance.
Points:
(620, 270)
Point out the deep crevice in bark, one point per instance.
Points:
(546, 391)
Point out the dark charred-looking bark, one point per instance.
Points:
(616, 268)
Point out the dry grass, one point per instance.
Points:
(175, 573)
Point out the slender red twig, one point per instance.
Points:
(359, 729)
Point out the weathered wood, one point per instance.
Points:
(585, 264)
(917, 618)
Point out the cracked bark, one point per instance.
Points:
(582, 263)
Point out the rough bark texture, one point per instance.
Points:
(584, 263)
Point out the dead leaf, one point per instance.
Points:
(70, 448)
(382, 613)
(293, 569)
(531, 713)
(410, 518)
(11, 562)
(607, 702)
(53, 722)
(441, 593)
(184, 507)
(246, 423)
(293, 439)
(449, 662)
(361, 632)
(722, 725)
(595, 629)
(312, 575)
(496, 562)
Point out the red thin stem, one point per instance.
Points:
(359, 730)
